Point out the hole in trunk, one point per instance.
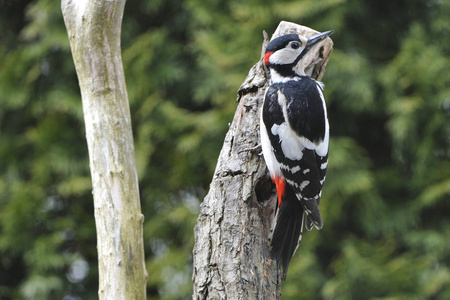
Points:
(264, 189)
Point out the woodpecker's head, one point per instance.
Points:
(283, 53)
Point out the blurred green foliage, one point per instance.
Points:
(386, 200)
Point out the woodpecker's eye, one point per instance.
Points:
(295, 45)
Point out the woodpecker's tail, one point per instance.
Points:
(287, 230)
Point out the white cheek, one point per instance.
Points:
(284, 57)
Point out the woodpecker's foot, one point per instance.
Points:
(257, 149)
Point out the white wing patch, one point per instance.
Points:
(322, 181)
(287, 134)
(294, 169)
(291, 145)
(304, 184)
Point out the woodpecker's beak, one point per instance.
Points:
(317, 38)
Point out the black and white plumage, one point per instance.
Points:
(294, 139)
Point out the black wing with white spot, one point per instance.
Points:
(298, 131)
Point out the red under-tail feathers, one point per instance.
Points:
(288, 227)
(281, 188)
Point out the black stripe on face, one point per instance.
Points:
(281, 42)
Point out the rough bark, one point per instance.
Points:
(93, 28)
(231, 252)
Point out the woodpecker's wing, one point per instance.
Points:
(300, 141)
(305, 180)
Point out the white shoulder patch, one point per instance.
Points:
(291, 145)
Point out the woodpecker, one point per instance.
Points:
(294, 139)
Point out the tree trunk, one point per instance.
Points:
(231, 251)
(94, 28)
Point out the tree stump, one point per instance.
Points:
(231, 251)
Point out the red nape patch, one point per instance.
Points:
(281, 187)
(266, 58)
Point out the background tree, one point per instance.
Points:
(385, 204)
(93, 29)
